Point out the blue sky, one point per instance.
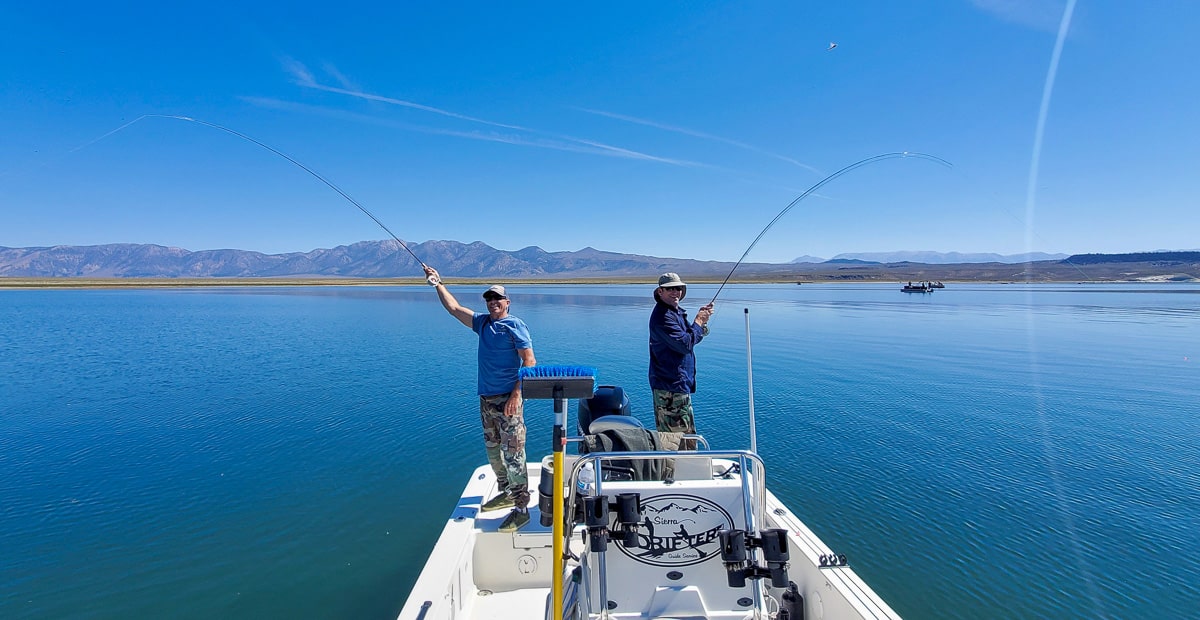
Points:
(669, 129)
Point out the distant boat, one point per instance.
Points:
(937, 285)
(919, 287)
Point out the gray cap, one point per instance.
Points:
(495, 289)
(671, 280)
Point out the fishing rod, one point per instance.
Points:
(858, 164)
(281, 154)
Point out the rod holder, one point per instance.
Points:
(629, 518)
(595, 511)
(774, 545)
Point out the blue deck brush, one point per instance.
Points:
(558, 382)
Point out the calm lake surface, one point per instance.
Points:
(988, 451)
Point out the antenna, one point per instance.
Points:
(750, 385)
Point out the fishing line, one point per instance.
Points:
(858, 164)
(275, 151)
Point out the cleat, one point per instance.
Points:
(500, 502)
(514, 521)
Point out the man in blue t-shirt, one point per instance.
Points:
(504, 347)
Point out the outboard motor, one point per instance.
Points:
(608, 400)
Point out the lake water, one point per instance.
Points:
(990, 451)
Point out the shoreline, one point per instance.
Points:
(149, 283)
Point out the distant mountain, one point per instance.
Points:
(948, 258)
(807, 259)
(1161, 256)
(386, 259)
(371, 259)
(850, 261)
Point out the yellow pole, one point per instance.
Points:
(556, 579)
(558, 383)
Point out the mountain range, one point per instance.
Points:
(365, 259)
(387, 259)
(936, 258)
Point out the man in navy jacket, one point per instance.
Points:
(672, 362)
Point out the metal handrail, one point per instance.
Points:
(753, 503)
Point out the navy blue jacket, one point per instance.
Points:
(672, 337)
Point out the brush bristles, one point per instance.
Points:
(558, 381)
(555, 372)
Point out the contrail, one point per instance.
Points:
(1048, 448)
(303, 77)
(573, 145)
(413, 105)
(699, 134)
(1039, 133)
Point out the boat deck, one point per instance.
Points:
(476, 572)
(503, 604)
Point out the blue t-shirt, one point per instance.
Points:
(499, 363)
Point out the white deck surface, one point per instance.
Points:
(477, 573)
(503, 605)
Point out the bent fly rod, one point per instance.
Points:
(279, 153)
(858, 164)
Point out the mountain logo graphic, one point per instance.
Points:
(679, 530)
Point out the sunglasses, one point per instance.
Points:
(673, 288)
(493, 298)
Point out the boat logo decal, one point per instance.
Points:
(679, 530)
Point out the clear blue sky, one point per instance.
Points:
(669, 129)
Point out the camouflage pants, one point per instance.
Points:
(504, 438)
(673, 413)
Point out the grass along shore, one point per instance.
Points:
(134, 283)
(146, 283)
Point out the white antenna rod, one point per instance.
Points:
(750, 383)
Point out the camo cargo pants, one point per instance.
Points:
(673, 413)
(504, 438)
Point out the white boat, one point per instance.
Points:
(709, 541)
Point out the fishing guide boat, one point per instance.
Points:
(659, 533)
(919, 287)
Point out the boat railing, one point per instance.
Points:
(699, 438)
(750, 468)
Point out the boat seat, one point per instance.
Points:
(606, 425)
(607, 401)
(609, 422)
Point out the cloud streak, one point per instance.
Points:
(699, 134)
(303, 77)
(573, 146)
(1037, 14)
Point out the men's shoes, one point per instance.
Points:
(514, 521)
(500, 502)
